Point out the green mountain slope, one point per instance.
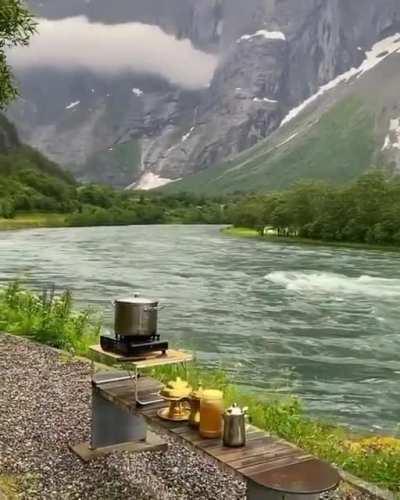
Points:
(28, 180)
(113, 165)
(336, 139)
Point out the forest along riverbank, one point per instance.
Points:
(316, 322)
(270, 236)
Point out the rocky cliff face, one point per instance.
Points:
(273, 54)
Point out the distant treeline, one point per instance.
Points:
(31, 183)
(99, 205)
(367, 211)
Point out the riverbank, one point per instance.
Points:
(46, 413)
(45, 400)
(53, 321)
(33, 221)
(243, 232)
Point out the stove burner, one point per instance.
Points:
(133, 346)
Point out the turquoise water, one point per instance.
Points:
(319, 322)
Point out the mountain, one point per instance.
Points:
(28, 180)
(347, 127)
(145, 121)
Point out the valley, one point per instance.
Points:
(123, 125)
(238, 162)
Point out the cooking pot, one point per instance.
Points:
(135, 317)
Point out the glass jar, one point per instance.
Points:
(194, 400)
(211, 413)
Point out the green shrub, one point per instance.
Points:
(48, 319)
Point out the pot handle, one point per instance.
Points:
(155, 308)
(113, 302)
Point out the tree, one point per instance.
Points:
(16, 28)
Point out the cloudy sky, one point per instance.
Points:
(75, 43)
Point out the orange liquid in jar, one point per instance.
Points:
(211, 412)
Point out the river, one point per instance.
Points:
(318, 322)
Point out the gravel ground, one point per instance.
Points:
(45, 404)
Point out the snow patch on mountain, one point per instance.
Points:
(186, 136)
(150, 181)
(73, 105)
(392, 140)
(378, 53)
(264, 99)
(269, 35)
(137, 92)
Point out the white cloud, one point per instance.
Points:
(75, 43)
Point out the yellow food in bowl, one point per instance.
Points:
(177, 389)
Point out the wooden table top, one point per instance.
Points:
(150, 361)
(266, 460)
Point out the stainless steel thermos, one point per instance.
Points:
(235, 427)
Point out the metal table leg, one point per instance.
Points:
(115, 429)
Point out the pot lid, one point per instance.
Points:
(136, 300)
(212, 394)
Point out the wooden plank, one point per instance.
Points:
(267, 451)
(252, 436)
(225, 454)
(253, 471)
(152, 360)
(267, 458)
(122, 393)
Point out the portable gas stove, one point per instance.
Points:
(133, 346)
(135, 328)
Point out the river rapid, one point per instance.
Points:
(318, 322)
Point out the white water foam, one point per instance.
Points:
(331, 283)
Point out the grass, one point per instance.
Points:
(52, 320)
(242, 232)
(9, 487)
(338, 147)
(33, 220)
(47, 318)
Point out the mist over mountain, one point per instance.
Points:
(75, 44)
(140, 93)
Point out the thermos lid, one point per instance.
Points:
(236, 410)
